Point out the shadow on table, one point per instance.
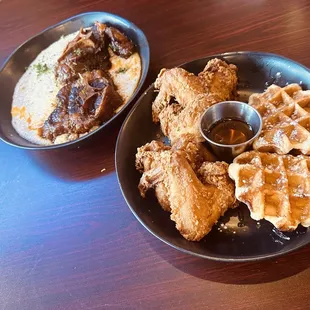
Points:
(234, 273)
(88, 159)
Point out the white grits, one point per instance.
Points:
(34, 96)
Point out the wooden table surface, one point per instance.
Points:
(68, 239)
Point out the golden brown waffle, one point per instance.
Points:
(286, 119)
(274, 187)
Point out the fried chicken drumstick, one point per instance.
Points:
(195, 204)
(183, 96)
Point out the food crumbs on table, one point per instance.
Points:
(103, 169)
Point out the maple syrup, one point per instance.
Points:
(230, 131)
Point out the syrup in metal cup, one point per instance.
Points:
(230, 127)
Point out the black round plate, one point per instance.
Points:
(236, 237)
(14, 67)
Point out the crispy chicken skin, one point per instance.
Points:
(195, 152)
(183, 97)
(220, 78)
(217, 175)
(145, 162)
(195, 205)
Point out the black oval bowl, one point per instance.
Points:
(236, 237)
(14, 67)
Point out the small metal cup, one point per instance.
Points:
(236, 110)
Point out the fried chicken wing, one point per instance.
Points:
(220, 78)
(195, 205)
(183, 97)
(195, 152)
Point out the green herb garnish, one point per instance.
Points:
(41, 68)
(121, 70)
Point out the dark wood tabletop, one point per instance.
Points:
(68, 239)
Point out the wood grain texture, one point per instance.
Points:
(67, 238)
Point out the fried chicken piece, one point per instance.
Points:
(220, 78)
(172, 84)
(181, 100)
(195, 152)
(217, 174)
(194, 205)
(145, 162)
(183, 97)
